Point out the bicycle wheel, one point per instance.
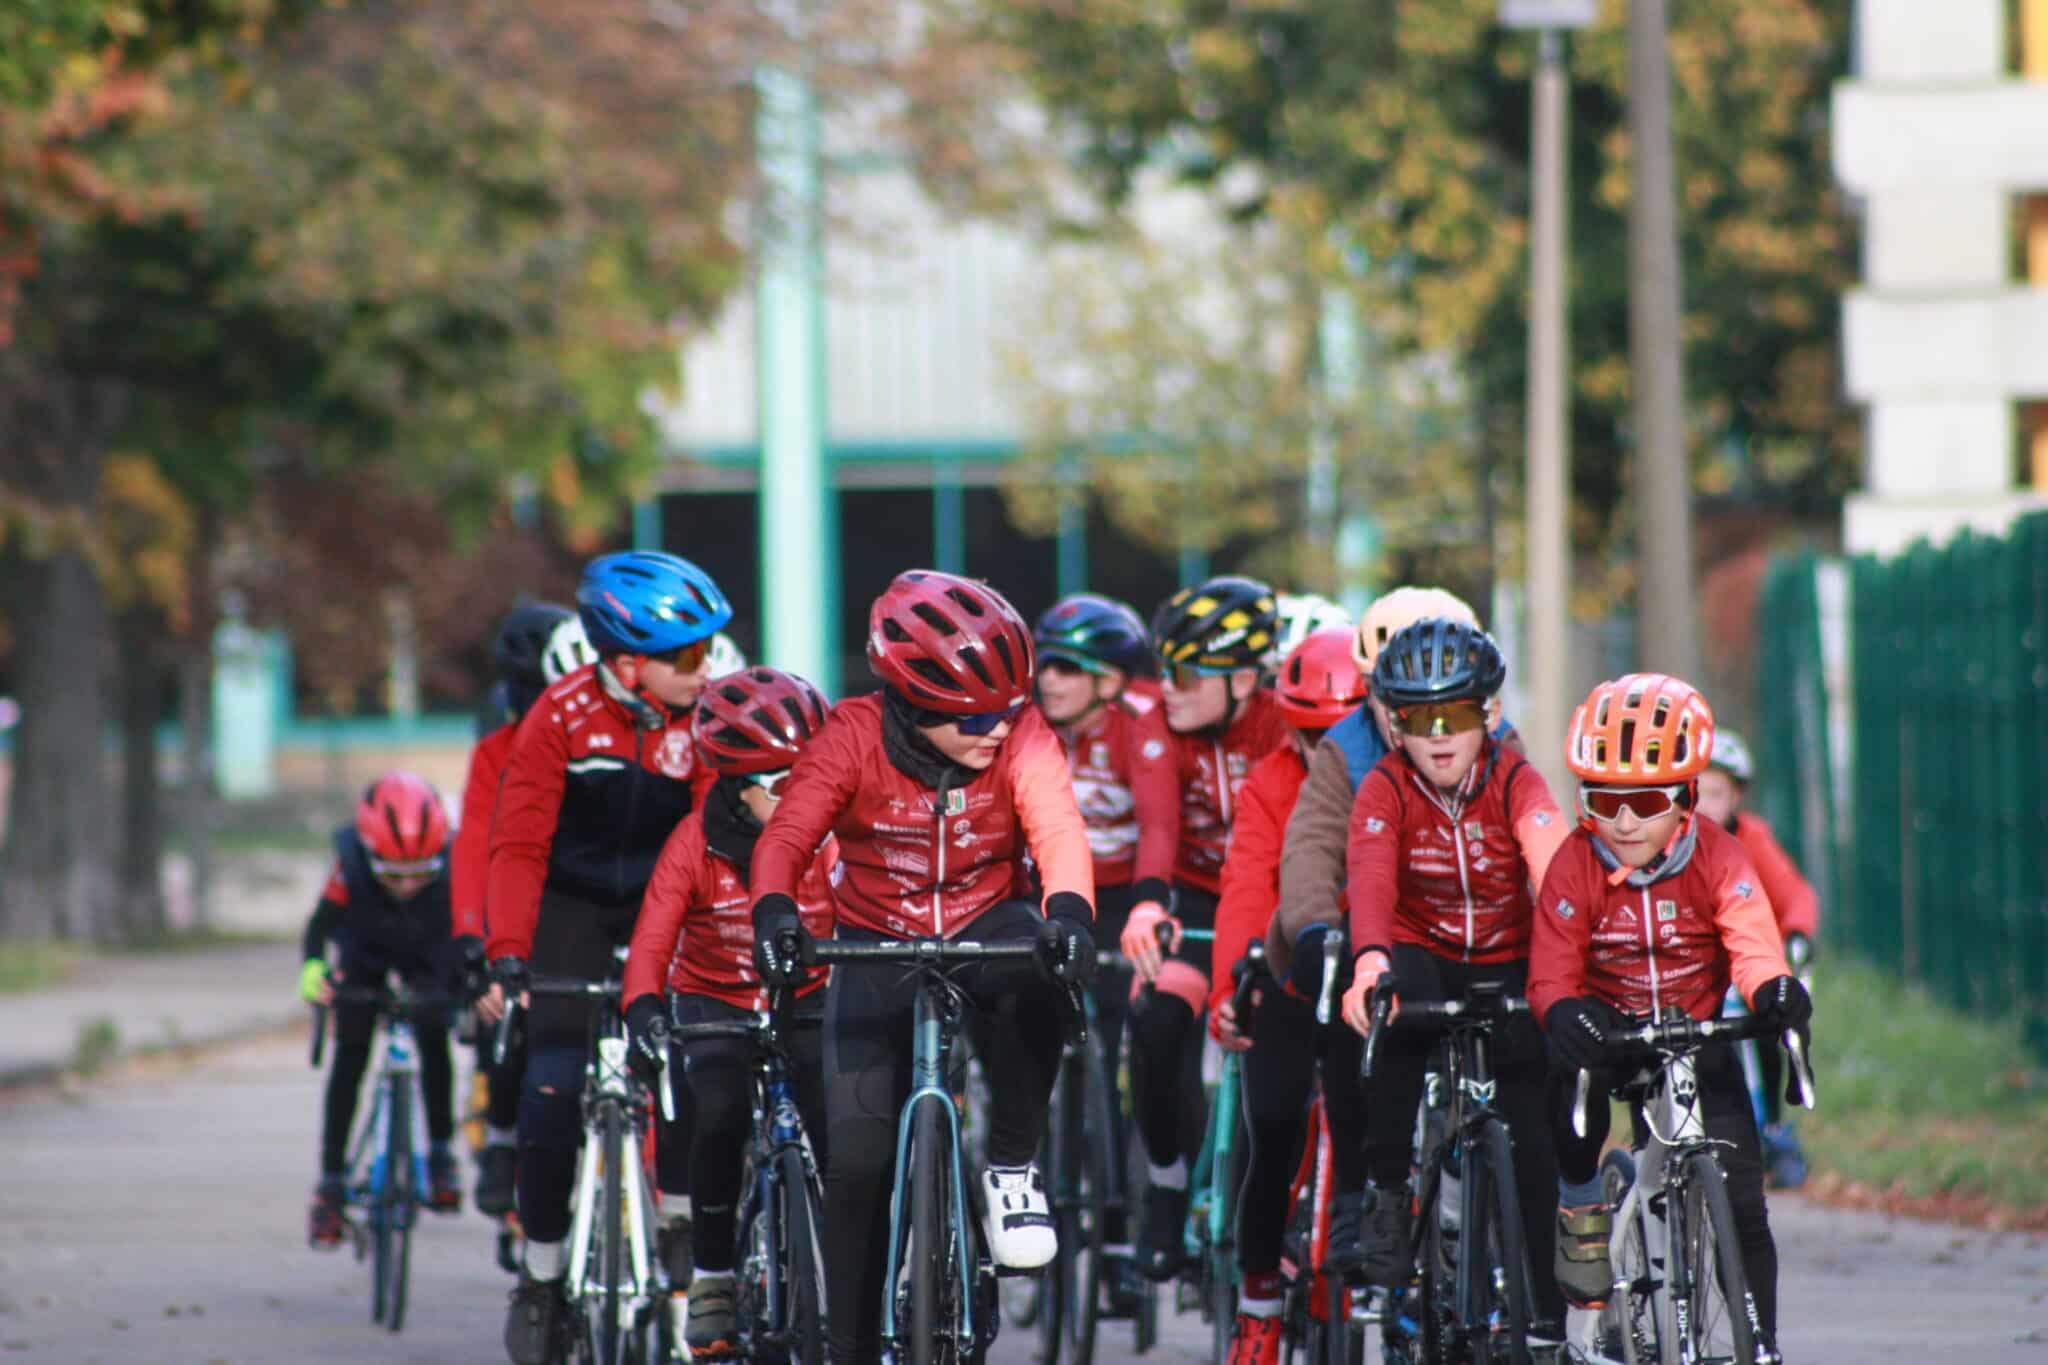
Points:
(1502, 1289)
(1085, 1232)
(803, 1266)
(1045, 1307)
(611, 1233)
(1720, 1323)
(925, 1242)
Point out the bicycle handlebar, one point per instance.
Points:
(559, 987)
(1245, 976)
(935, 952)
(1333, 953)
(1682, 1035)
(1483, 1008)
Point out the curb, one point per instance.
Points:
(23, 1077)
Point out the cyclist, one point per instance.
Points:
(1317, 685)
(1647, 908)
(695, 936)
(385, 907)
(935, 787)
(1448, 834)
(1724, 787)
(602, 769)
(1214, 640)
(536, 645)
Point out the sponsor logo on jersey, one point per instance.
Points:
(956, 802)
(1744, 890)
(1542, 819)
(1098, 754)
(674, 758)
(1667, 911)
(1565, 909)
(1154, 749)
(1474, 831)
(1375, 825)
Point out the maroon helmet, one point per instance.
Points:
(950, 644)
(757, 720)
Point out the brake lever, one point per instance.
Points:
(1585, 1086)
(1326, 998)
(1802, 1071)
(1077, 1014)
(667, 1085)
(502, 1044)
(1381, 1008)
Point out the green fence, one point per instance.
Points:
(1938, 852)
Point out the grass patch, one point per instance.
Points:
(99, 1042)
(196, 940)
(228, 843)
(1920, 1100)
(36, 966)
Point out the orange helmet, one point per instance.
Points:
(1320, 683)
(1641, 730)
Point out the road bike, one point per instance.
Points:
(780, 1277)
(1316, 1309)
(1208, 1278)
(1681, 1295)
(387, 1163)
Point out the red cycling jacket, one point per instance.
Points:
(696, 925)
(586, 803)
(1454, 879)
(1675, 941)
(1251, 879)
(1122, 760)
(908, 866)
(1211, 771)
(1791, 895)
(469, 862)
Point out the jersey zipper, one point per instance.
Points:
(939, 857)
(1464, 882)
(1650, 942)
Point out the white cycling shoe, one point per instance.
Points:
(1017, 1219)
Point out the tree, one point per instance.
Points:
(1398, 129)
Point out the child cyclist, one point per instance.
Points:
(1724, 787)
(1215, 641)
(1448, 834)
(537, 645)
(602, 769)
(1318, 684)
(695, 937)
(936, 787)
(1647, 908)
(385, 908)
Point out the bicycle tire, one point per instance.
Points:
(611, 1229)
(1437, 1307)
(1711, 1251)
(1047, 1303)
(403, 1207)
(1506, 1262)
(1093, 1150)
(803, 1277)
(925, 1239)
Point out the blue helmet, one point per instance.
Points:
(643, 602)
(1437, 659)
(1091, 631)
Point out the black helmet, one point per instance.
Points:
(1092, 631)
(1224, 624)
(521, 645)
(1437, 659)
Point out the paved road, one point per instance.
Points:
(161, 1219)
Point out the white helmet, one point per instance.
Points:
(568, 650)
(725, 656)
(1302, 615)
(1402, 607)
(1731, 755)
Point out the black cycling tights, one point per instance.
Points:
(1017, 1026)
(355, 1030)
(702, 1153)
(1166, 1050)
(1730, 1121)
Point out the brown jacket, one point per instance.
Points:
(1312, 859)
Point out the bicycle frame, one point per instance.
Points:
(607, 1083)
(936, 1025)
(398, 1066)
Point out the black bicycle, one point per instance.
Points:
(781, 1271)
(1469, 1297)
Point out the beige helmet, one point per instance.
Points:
(1404, 607)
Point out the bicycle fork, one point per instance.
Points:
(928, 1085)
(611, 1085)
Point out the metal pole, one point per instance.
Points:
(1667, 620)
(1547, 625)
(799, 523)
(949, 516)
(647, 522)
(1071, 563)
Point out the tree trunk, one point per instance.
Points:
(195, 797)
(141, 889)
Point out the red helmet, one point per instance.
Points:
(401, 820)
(756, 720)
(1320, 683)
(950, 644)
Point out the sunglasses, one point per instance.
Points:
(686, 658)
(770, 783)
(1062, 667)
(1187, 677)
(1645, 803)
(419, 870)
(1435, 719)
(987, 723)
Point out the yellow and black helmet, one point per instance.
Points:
(1223, 624)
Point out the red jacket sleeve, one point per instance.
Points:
(1791, 895)
(671, 893)
(1749, 932)
(1042, 789)
(1538, 824)
(1562, 932)
(1251, 874)
(1155, 793)
(1372, 861)
(523, 831)
(469, 864)
(822, 783)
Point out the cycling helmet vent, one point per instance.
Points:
(934, 618)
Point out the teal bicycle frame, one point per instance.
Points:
(933, 1033)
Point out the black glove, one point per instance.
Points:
(647, 1027)
(1782, 1003)
(780, 943)
(1585, 1032)
(462, 966)
(1066, 941)
(1305, 972)
(510, 975)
